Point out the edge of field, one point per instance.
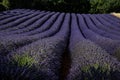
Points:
(116, 14)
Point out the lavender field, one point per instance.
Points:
(44, 45)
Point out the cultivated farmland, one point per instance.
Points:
(44, 45)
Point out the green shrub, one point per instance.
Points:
(24, 60)
(96, 71)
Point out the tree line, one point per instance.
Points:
(76, 6)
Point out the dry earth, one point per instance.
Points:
(116, 14)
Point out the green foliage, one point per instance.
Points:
(104, 6)
(96, 71)
(5, 3)
(97, 6)
(23, 60)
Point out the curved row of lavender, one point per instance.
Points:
(34, 41)
(88, 60)
(41, 47)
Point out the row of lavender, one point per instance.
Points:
(105, 24)
(32, 45)
(91, 53)
(32, 42)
